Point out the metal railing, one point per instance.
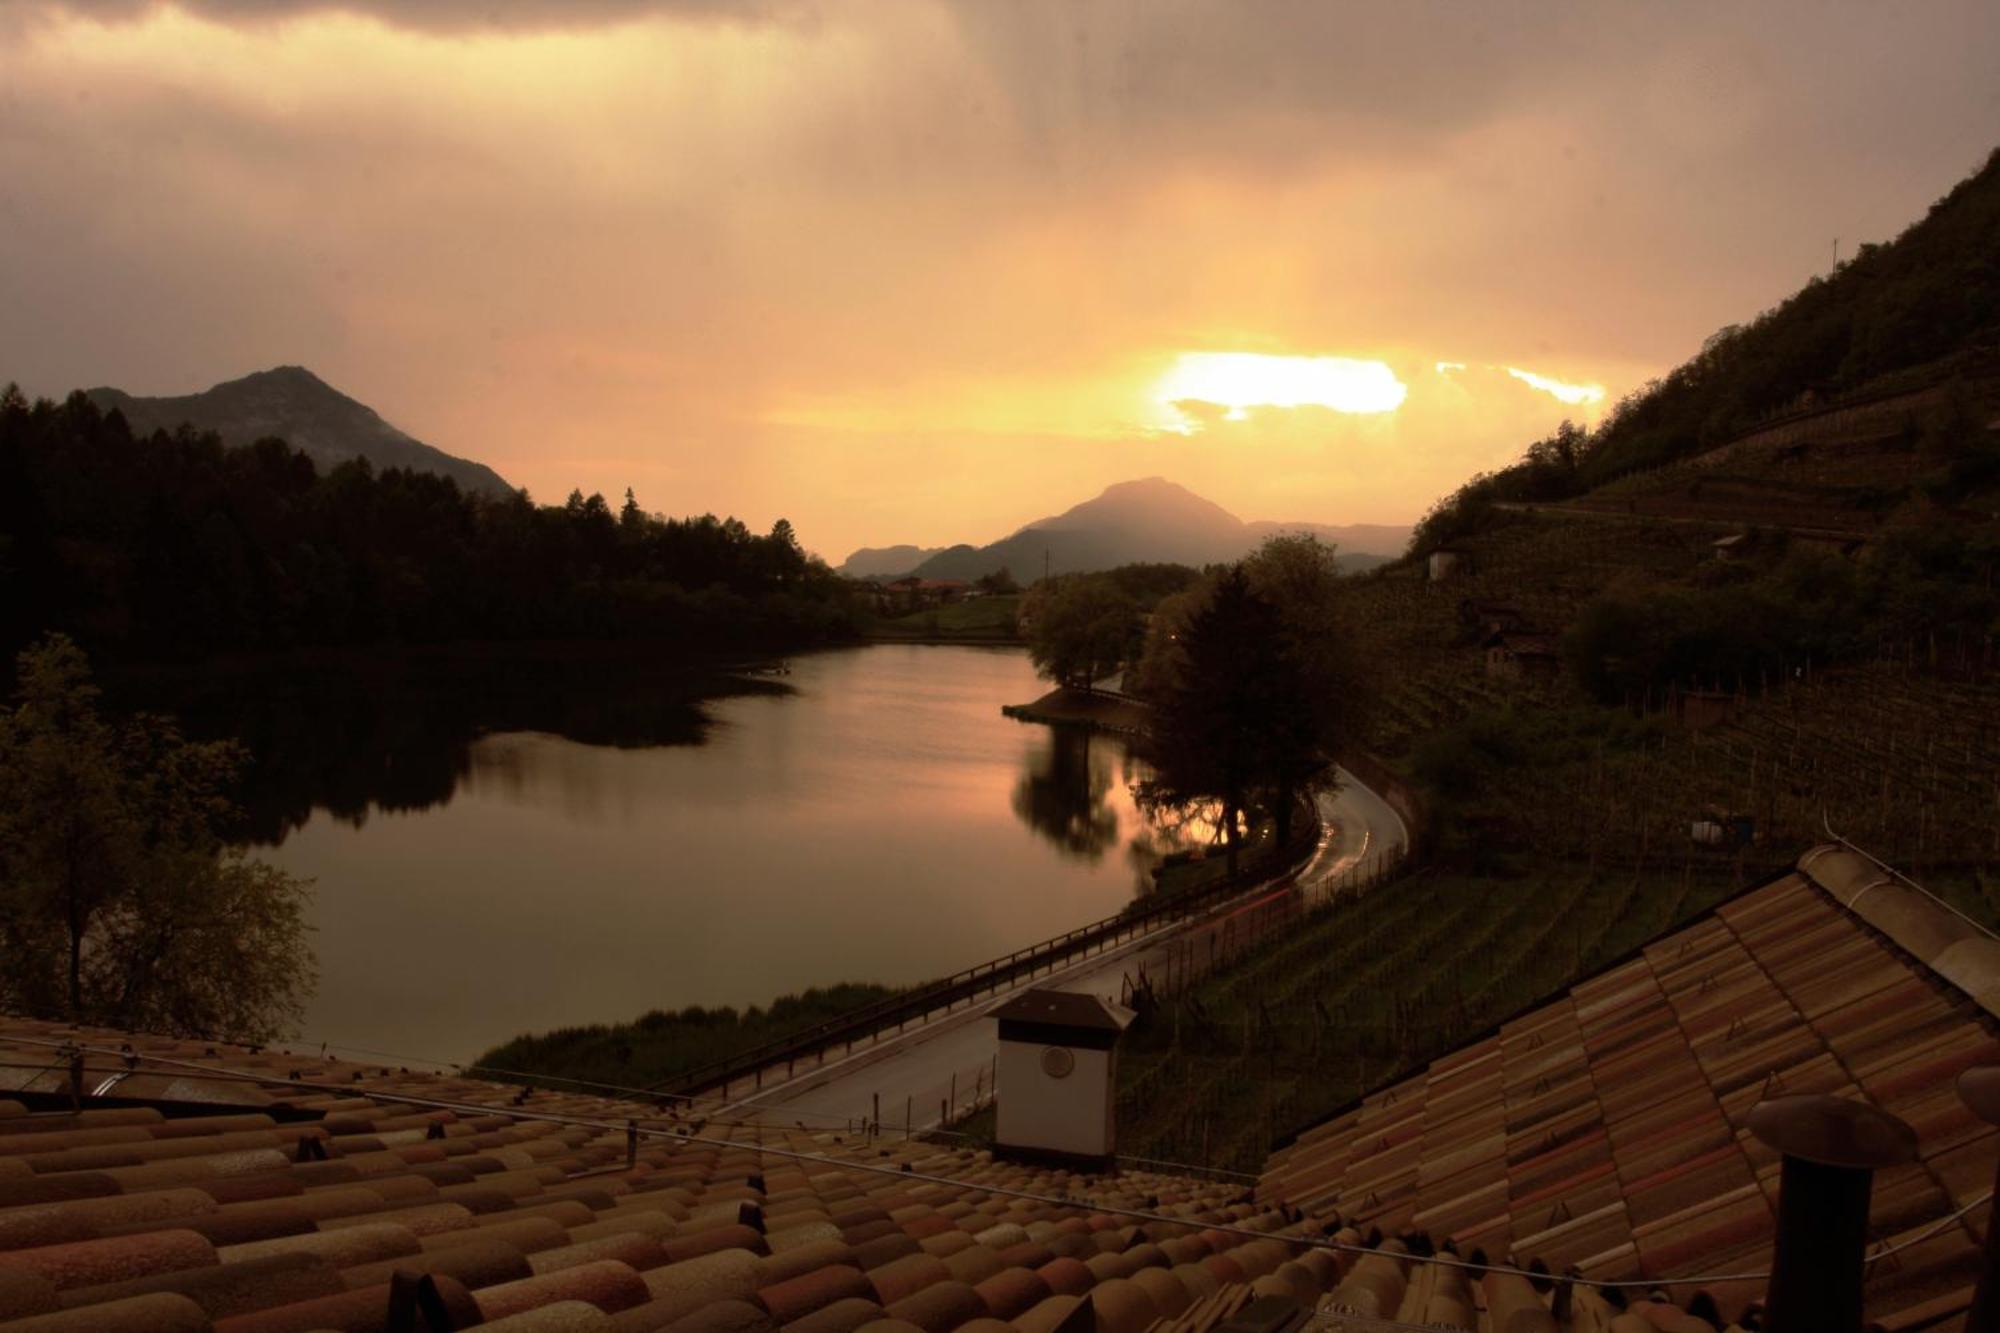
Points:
(990, 977)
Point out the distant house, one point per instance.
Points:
(1718, 826)
(1732, 547)
(910, 593)
(938, 592)
(1448, 562)
(1515, 655)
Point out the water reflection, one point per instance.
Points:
(352, 735)
(1063, 789)
(525, 841)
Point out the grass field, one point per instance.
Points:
(985, 618)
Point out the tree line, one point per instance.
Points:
(122, 900)
(173, 546)
(1747, 626)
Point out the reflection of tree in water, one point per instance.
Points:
(395, 733)
(1062, 794)
(1167, 828)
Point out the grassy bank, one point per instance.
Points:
(982, 620)
(661, 1046)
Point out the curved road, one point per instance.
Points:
(913, 1072)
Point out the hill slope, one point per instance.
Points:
(871, 561)
(295, 405)
(1766, 585)
(1152, 520)
(1933, 292)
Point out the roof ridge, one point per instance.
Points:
(1944, 940)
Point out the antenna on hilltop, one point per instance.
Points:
(1836, 253)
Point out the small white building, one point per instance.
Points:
(1447, 562)
(1056, 1080)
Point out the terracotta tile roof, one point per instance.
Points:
(541, 1224)
(1605, 1132)
(261, 1190)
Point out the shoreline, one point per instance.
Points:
(1116, 714)
(945, 640)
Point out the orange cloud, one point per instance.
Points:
(917, 270)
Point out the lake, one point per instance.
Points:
(561, 843)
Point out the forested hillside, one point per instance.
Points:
(176, 546)
(1922, 309)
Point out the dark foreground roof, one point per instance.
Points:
(122, 1220)
(1606, 1130)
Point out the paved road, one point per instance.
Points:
(914, 1072)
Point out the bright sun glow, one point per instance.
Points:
(1568, 393)
(1239, 381)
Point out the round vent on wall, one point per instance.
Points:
(1058, 1061)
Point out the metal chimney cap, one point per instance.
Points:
(1833, 1131)
(1979, 1089)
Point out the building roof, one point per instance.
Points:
(1065, 1009)
(299, 1211)
(245, 1189)
(1607, 1130)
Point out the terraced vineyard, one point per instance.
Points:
(1363, 990)
(1544, 569)
(1901, 761)
(1901, 758)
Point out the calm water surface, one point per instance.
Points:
(880, 822)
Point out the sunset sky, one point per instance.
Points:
(922, 270)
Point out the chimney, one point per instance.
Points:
(1979, 1088)
(1832, 1148)
(1056, 1079)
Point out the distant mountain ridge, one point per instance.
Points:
(874, 561)
(1150, 520)
(298, 407)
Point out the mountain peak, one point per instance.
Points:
(1145, 519)
(1148, 502)
(293, 404)
(285, 375)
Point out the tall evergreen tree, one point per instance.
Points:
(1233, 716)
